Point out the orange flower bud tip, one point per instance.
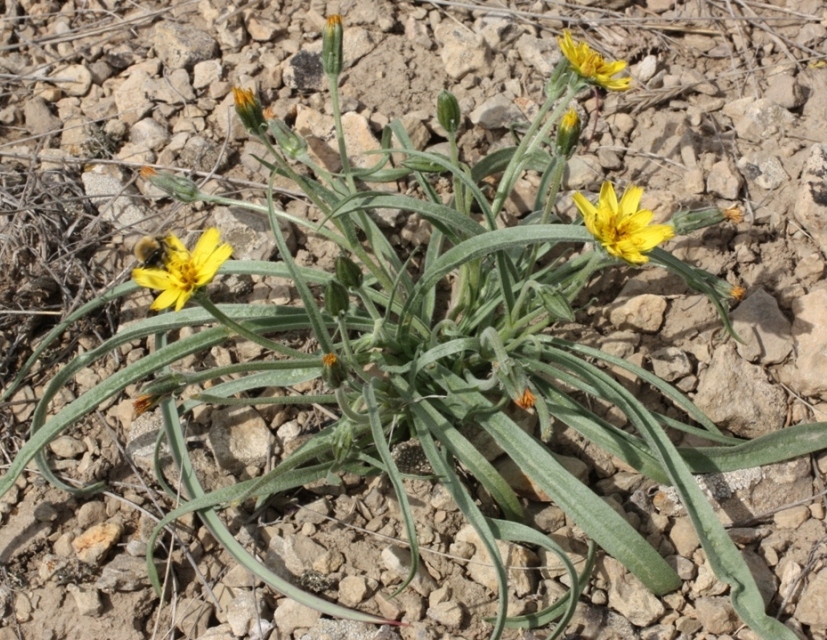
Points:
(329, 359)
(147, 172)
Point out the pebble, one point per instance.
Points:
(131, 97)
(124, 573)
(303, 71)
(481, 571)
(38, 117)
(246, 612)
(761, 119)
(239, 438)
(541, 53)
(764, 170)
(352, 590)
(398, 561)
(497, 112)
(737, 395)
(684, 537)
(87, 600)
(716, 614)
(67, 447)
(808, 375)
(90, 514)
(644, 312)
(449, 614)
(724, 180)
(785, 91)
(792, 518)
(149, 133)
(629, 597)
(92, 545)
(463, 51)
(23, 403)
(290, 615)
(670, 364)
(810, 208)
(100, 183)
(181, 46)
(75, 80)
(765, 331)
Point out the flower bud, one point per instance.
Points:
(336, 298)
(333, 371)
(685, 222)
(568, 133)
(526, 400)
(348, 272)
(178, 187)
(555, 303)
(248, 109)
(288, 140)
(332, 46)
(447, 111)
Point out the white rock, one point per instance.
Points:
(87, 599)
(113, 198)
(737, 395)
(206, 72)
(449, 614)
(764, 170)
(79, 80)
(541, 53)
(352, 590)
(463, 51)
(724, 181)
(671, 363)
(808, 376)
(180, 46)
(67, 447)
(762, 119)
(398, 562)
(245, 613)
(639, 313)
(513, 555)
(239, 438)
(811, 207)
(496, 113)
(629, 597)
(149, 133)
(766, 332)
(290, 615)
(716, 614)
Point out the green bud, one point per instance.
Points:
(336, 298)
(555, 303)
(685, 222)
(568, 133)
(348, 272)
(447, 111)
(333, 371)
(288, 140)
(342, 440)
(332, 46)
(178, 187)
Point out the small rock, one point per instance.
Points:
(352, 590)
(808, 376)
(449, 614)
(90, 514)
(79, 80)
(206, 72)
(764, 170)
(671, 363)
(761, 119)
(100, 184)
(684, 537)
(124, 573)
(766, 332)
(38, 117)
(22, 608)
(737, 395)
(541, 53)
(724, 180)
(261, 29)
(45, 512)
(629, 597)
(23, 403)
(67, 447)
(192, 617)
(582, 172)
(811, 207)
(239, 577)
(92, 545)
(784, 90)
(463, 51)
(497, 113)
(87, 599)
(244, 614)
(304, 72)
(811, 609)
(290, 615)
(716, 614)
(149, 133)
(49, 566)
(132, 97)
(792, 518)
(513, 555)
(658, 632)
(239, 438)
(315, 513)
(181, 46)
(639, 313)
(398, 561)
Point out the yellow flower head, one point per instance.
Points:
(248, 109)
(184, 272)
(738, 292)
(622, 229)
(591, 65)
(525, 401)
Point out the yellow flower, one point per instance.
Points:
(525, 401)
(591, 65)
(248, 109)
(622, 229)
(184, 272)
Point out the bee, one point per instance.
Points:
(152, 251)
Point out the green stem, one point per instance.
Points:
(241, 330)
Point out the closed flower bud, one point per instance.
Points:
(336, 298)
(447, 111)
(288, 140)
(332, 46)
(555, 303)
(685, 222)
(568, 133)
(178, 187)
(248, 109)
(333, 371)
(348, 272)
